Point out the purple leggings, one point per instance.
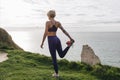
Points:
(55, 44)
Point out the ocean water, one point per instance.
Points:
(106, 45)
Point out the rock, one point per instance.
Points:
(88, 56)
(6, 41)
(3, 56)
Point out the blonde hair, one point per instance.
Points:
(51, 13)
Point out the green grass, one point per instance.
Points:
(23, 65)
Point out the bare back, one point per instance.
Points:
(50, 25)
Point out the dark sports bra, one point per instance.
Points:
(52, 29)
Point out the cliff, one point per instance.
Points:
(6, 41)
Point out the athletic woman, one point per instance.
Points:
(53, 41)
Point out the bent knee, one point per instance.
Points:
(61, 56)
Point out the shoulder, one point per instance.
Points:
(58, 23)
(47, 22)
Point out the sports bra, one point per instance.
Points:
(52, 29)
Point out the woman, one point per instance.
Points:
(53, 41)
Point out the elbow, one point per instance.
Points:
(64, 31)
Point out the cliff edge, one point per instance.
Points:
(6, 41)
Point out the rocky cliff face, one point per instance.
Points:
(88, 56)
(6, 41)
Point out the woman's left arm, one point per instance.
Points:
(65, 32)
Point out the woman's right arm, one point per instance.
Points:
(45, 34)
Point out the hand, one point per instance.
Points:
(41, 46)
(72, 40)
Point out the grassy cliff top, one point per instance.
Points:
(23, 65)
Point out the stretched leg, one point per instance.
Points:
(61, 52)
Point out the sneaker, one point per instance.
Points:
(69, 43)
(55, 75)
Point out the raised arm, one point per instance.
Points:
(65, 32)
(45, 34)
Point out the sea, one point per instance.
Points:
(106, 45)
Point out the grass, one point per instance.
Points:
(23, 65)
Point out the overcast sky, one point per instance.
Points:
(86, 14)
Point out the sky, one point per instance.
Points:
(95, 15)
